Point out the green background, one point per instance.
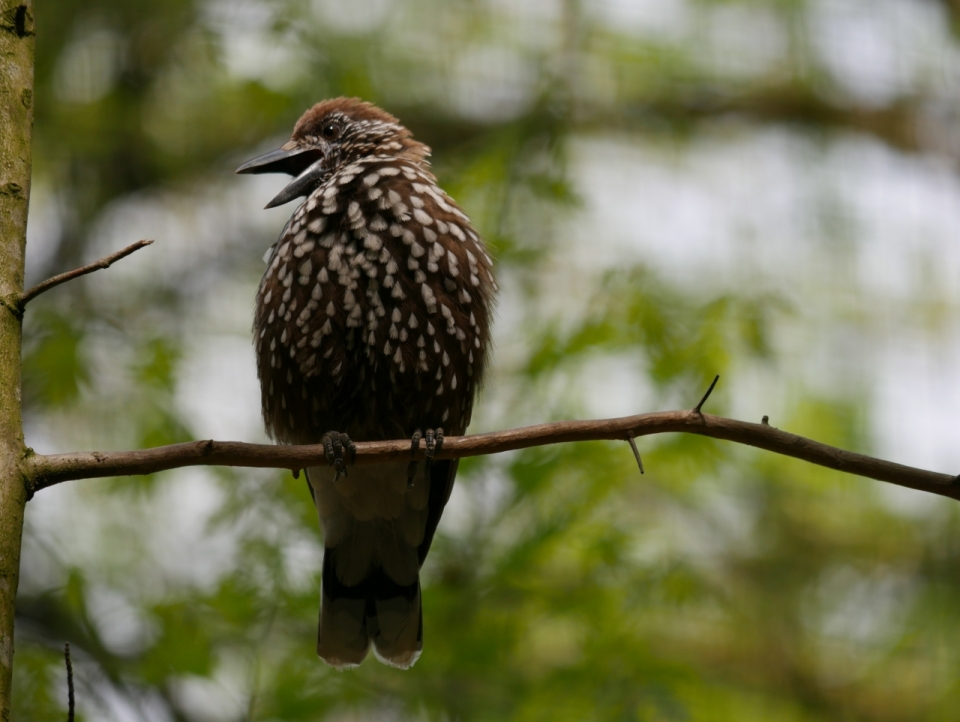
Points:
(671, 190)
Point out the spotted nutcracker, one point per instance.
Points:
(373, 319)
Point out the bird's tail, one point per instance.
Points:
(376, 610)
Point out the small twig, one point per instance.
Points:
(706, 395)
(765, 420)
(70, 699)
(45, 286)
(636, 452)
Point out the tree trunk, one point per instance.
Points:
(16, 121)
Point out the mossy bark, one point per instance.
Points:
(16, 121)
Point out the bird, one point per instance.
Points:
(372, 322)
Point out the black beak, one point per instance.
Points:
(302, 185)
(291, 162)
(307, 164)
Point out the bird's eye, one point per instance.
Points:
(331, 131)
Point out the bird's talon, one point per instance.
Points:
(334, 442)
(434, 442)
(412, 466)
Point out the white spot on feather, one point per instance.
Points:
(429, 298)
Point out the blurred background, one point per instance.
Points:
(764, 189)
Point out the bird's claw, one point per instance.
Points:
(434, 443)
(433, 440)
(412, 466)
(334, 443)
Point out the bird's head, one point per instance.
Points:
(330, 136)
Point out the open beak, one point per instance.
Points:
(307, 164)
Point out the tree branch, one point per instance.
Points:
(44, 471)
(45, 286)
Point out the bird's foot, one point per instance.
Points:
(412, 466)
(434, 443)
(334, 443)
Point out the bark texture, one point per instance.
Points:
(16, 121)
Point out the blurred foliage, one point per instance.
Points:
(53, 364)
(725, 584)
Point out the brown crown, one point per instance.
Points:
(311, 122)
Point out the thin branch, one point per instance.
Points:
(706, 396)
(45, 286)
(44, 471)
(70, 697)
(636, 452)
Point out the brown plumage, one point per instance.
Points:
(372, 319)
